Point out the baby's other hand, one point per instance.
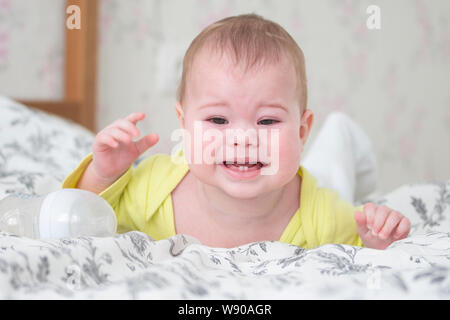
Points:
(379, 226)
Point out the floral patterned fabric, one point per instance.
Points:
(37, 150)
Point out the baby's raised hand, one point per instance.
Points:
(379, 226)
(114, 149)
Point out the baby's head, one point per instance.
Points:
(244, 78)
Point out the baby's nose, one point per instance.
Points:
(242, 144)
(242, 138)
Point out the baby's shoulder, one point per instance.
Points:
(328, 197)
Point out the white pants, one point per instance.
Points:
(341, 159)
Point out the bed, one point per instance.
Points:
(42, 141)
(38, 149)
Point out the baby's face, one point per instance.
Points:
(221, 98)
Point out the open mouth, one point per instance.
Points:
(245, 166)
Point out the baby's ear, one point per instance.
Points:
(180, 113)
(306, 123)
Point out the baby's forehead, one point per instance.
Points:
(218, 79)
(209, 58)
(221, 76)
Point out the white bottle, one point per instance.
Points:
(60, 214)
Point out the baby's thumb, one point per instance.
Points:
(361, 222)
(146, 142)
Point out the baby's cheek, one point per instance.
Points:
(290, 149)
(289, 156)
(211, 149)
(200, 148)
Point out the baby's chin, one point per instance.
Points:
(242, 191)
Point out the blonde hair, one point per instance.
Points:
(250, 39)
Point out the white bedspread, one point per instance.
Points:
(33, 160)
(132, 266)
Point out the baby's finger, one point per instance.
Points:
(369, 211)
(403, 229)
(361, 223)
(106, 139)
(118, 134)
(381, 214)
(391, 223)
(146, 142)
(127, 126)
(135, 117)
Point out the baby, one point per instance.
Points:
(240, 74)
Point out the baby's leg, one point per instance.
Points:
(341, 158)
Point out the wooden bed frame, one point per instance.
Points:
(80, 77)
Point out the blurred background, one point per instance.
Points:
(393, 81)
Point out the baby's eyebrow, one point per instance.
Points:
(274, 105)
(213, 104)
(262, 105)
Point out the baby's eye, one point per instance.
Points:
(267, 121)
(217, 120)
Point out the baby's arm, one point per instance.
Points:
(113, 152)
(91, 182)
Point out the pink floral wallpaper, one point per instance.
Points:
(32, 48)
(393, 81)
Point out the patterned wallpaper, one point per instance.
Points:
(394, 82)
(32, 48)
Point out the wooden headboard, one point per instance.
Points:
(80, 76)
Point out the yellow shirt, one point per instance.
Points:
(142, 200)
